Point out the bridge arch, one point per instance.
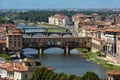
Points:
(67, 35)
(51, 50)
(53, 35)
(25, 35)
(39, 35)
(29, 50)
(48, 50)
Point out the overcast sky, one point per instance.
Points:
(45, 4)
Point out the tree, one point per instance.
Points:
(5, 21)
(72, 77)
(43, 73)
(7, 58)
(90, 76)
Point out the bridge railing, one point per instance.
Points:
(71, 42)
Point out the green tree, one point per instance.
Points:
(72, 77)
(43, 73)
(5, 21)
(7, 58)
(90, 76)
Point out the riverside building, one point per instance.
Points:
(59, 19)
(10, 38)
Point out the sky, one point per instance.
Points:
(54, 4)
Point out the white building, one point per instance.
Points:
(18, 70)
(59, 19)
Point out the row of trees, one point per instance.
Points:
(5, 21)
(43, 73)
(7, 58)
(42, 15)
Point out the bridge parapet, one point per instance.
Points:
(70, 42)
(65, 43)
(47, 34)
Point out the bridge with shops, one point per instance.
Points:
(65, 43)
(60, 40)
(47, 34)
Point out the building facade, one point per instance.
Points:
(14, 40)
(10, 38)
(59, 19)
(116, 18)
(82, 19)
(21, 70)
(113, 75)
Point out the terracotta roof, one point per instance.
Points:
(60, 16)
(99, 23)
(17, 66)
(95, 14)
(113, 73)
(5, 65)
(20, 67)
(7, 25)
(14, 32)
(2, 41)
(11, 68)
(78, 16)
(112, 30)
(2, 31)
(94, 29)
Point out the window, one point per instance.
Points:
(18, 38)
(9, 38)
(15, 43)
(10, 42)
(19, 44)
(26, 77)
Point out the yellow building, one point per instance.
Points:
(14, 40)
(10, 38)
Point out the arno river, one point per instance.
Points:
(74, 64)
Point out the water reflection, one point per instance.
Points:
(35, 30)
(73, 64)
(39, 35)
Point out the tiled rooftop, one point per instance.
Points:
(113, 72)
(17, 66)
(60, 16)
(112, 29)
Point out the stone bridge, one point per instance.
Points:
(47, 34)
(65, 43)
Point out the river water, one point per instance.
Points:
(73, 64)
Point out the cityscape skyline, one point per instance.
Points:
(42, 4)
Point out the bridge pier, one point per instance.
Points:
(40, 51)
(31, 35)
(67, 51)
(46, 35)
(61, 35)
(23, 30)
